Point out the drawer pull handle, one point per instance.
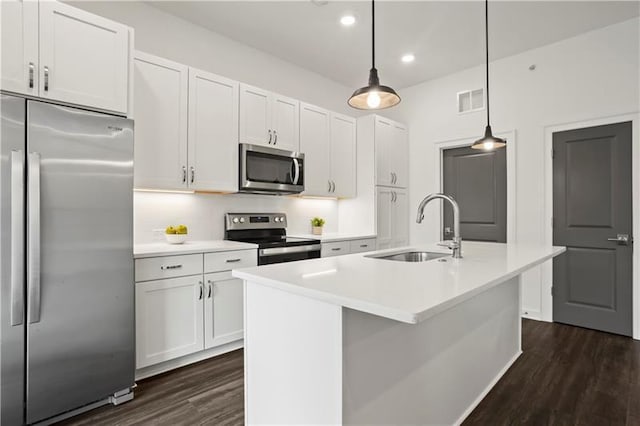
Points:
(233, 260)
(364, 245)
(336, 249)
(164, 268)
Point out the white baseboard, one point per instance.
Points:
(163, 367)
(532, 314)
(486, 391)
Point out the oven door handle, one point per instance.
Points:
(287, 250)
(296, 171)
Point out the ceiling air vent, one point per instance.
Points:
(470, 100)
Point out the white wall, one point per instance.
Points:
(590, 76)
(164, 35)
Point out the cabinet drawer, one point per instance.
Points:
(154, 268)
(335, 249)
(227, 260)
(360, 246)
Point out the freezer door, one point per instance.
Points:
(12, 234)
(80, 310)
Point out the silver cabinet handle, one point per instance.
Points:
(296, 171)
(621, 239)
(193, 174)
(201, 290)
(32, 68)
(391, 173)
(364, 245)
(46, 79)
(17, 237)
(233, 260)
(333, 186)
(329, 183)
(169, 267)
(336, 249)
(210, 287)
(184, 174)
(33, 234)
(270, 136)
(275, 134)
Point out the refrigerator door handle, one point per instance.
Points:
(17, 237)
(33, 235)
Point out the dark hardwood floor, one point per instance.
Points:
(565, 376)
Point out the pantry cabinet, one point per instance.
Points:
(268, 119)
(328, 141)
(58, 52)
(392, 154)
(392, 217)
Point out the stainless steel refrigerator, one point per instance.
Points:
(66, 227)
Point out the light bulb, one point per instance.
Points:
(373, 100)
(348, 20)
(487, 146)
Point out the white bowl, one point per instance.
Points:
(176, 238)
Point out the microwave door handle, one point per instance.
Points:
(296, 171)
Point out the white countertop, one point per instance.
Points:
(403, 291)
(331, 237)
(188, 247)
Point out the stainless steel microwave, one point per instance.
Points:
(265, 170)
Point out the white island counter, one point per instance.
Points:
(361, 340)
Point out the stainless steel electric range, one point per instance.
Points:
(269, 232)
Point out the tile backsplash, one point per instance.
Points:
(204, 213)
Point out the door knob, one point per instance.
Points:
(447, 230)
(621, 239)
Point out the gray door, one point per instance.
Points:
(80, 333)
(477, 180)
(592, 205)
(12, 154)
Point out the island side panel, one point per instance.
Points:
(433, 372)
(293, 358)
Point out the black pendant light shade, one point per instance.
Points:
(488, 142)
(373, 95)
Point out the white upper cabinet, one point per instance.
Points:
(19, 47)
(314, 143)
(343, 155)
(55, 51)
(268, 119)
(213, 132)
(160, 148)
(84, 58)
(392, 157)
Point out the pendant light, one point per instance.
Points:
(374, 96)
(488, 142)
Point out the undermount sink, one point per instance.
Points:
(411, 256)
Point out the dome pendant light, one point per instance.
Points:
(488, 142)
(374, 96)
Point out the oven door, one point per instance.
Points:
(288, 254)
(270, 170)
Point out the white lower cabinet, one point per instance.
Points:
(340, 248)
(223, 315)
(392, 217)
(180, 316)
(168, 319)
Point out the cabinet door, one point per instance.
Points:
(384, 218)
(286, 123)
(314, 142)
(343, 155)
(213, 132)
(400, 155)
(19, 46)
(383, 137)
(161, 123)
(255, 116)
(338, 248)
(223, 314)
(400, 209)
(84, 58)
(169, 319)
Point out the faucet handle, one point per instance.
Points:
(448, 244)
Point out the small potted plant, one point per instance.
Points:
(316, 225)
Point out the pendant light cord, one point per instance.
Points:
(373, 34)
(486, 40)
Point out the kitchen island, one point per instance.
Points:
(358, 339)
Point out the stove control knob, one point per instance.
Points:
(235, 220)
(281, 218)
(276, 219)
(242, 220)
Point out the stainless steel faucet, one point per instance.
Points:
(456, 244)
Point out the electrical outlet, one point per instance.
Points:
(158, 234)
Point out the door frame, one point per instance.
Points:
(546, 299)
(510, 136)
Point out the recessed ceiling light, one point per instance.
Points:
(348, 20)
(408, 58)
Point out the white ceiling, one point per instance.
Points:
(445, 36)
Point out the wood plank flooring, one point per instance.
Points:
(565, 376)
